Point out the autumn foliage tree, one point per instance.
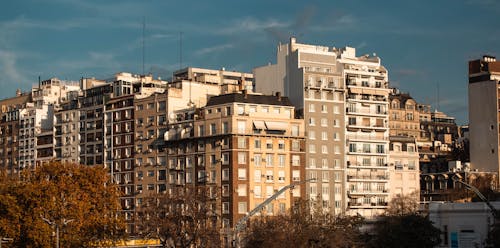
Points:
(77, 199)
(180, 217)
(306, 225)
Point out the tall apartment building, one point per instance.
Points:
(484, 106)
(67, 130)
(344, 101)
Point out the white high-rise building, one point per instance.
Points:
(344, 101)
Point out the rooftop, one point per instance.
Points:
(250, 98)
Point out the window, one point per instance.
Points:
(312, 148)
(324, 109)
(336, 109)
(295, 160)
(241, 109)
(295, 130)
(151, 105)
(257, 191)
(276, 110)
(241, 126)
(225, 174)
(312, 121)
(324, 122)
(324, 149)
(242, 158)
(257, 158)
(352, 147)
(281, 144)
(269, 144)
(151, 173)
(296, 175)
(225, 207)
(242, 207)
(324, 136)
(312, 135)
(312, 162)
(269, 159)
(242, 190)
(225, 127)
(151, 187)
(312, 107)
(257, 176)
(242, 142)
(242, 174)
(269, 191)
(281, 160)
(380, 149)
(213, 129)
(410, 148)
(269, 176)
(352, 120)
(257, 143)
(281, 176)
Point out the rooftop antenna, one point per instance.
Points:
(143, 42)
(438, 107)
(180, 50)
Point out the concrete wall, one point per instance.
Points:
(462, 224)
(483, 126)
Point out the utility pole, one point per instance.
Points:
(243, 221)
(57, 224)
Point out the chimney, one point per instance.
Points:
(278, 95)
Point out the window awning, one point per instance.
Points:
(259, 125)
(276, 125)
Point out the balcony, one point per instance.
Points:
(368, 192)
(367, 205)
(353, 178)
(365, 137)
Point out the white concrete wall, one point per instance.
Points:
(467, 223)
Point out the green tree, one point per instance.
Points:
(77, 199)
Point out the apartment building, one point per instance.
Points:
(244, 147)
(404, 115)
(344, 101)
(312, 78)
(67, 130)
(404, 173)
(484, 118)
(35, 127)
(9, 130)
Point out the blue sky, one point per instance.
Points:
(422, 43)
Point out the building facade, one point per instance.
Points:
(404, 173)
(344, 101)
(484, 118)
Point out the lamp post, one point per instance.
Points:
(57, 225)
(5, 240)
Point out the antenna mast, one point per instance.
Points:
(180, 50)
(143, 42)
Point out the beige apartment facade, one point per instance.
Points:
(484, 117)
(404, 173)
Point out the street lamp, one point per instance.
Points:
(5, 240)
(57, 224)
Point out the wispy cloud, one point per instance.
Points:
(8, 69)
(251, 24)
(213, 49)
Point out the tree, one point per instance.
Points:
(307, 225)
(79, 200)
(180, 217)
(403, 226)
(403, 205)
